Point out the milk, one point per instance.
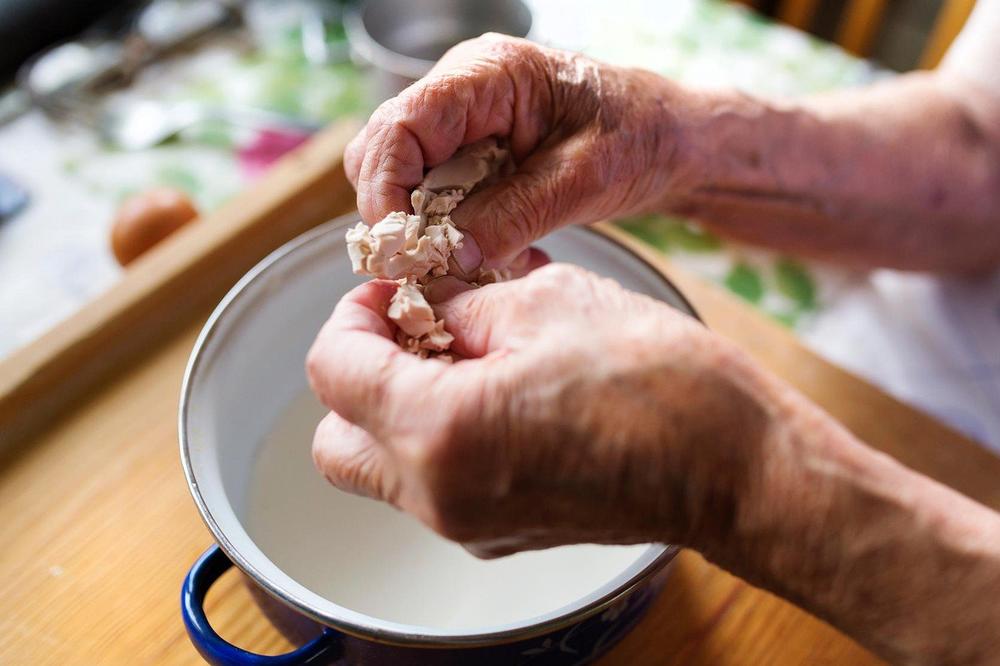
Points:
(368, 557)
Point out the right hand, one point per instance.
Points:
(560, 423)
(590, 141)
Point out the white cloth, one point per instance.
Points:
(932, 342)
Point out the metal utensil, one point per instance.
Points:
(141, 125)
(65, 81)
(402, 39)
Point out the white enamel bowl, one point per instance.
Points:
(246, 369)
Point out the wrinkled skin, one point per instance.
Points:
(903, 174)
(558, 426)
(580, 412)
(589, 140)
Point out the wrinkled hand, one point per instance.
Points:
(578, 412)
(589, 140)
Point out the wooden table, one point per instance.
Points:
(98, 528)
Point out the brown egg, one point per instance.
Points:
(143, 220)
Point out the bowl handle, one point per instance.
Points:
(216, 650)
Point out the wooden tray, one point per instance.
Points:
(98, 528)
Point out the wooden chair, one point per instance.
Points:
(860, 21)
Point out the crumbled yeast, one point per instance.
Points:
(414, 248)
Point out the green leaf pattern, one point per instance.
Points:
(746, 282)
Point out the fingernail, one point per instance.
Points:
(441, 289)
(468, 257)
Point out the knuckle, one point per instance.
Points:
(509, 53)
(386, 113)
(518, 218)
(323, 456)
(558, 274)
(319, 451)
(499, 44)
(449, 95)
(517, 55)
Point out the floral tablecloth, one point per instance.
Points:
(933, 342)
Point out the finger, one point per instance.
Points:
(549, 190)
(353, 156)
(352, 460)
(392, 165)
(357, 369)
(494, 92)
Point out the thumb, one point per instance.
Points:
(502, 220)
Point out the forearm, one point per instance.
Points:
(903, 564)
(903, 174)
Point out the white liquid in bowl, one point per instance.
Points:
(366, 556)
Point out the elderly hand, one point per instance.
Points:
(589, 140)
(580, 412)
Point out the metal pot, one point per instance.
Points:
(402, 39)
(247, 366)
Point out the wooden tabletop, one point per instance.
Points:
(98, 528)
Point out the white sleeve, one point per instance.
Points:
(975, 54)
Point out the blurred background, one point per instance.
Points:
(899, 34)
